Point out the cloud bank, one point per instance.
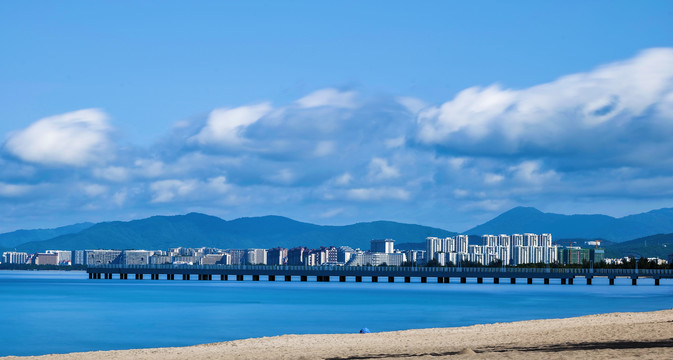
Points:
(597, 138)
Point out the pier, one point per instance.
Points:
(442, 275)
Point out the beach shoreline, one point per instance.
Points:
(614, 335)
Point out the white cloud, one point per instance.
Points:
(174, 189)
(379, 169)
(225, 127)
(412, 104)
(331, 213)
(15, 190)
(112, 173)
(370, 194)
(328, 97)
(94, 190)
(395, 142)
(530, 172)
(573, 113)
(343, 179)
(77, 138)
(282, 176)
(324, 148)
(490, 178)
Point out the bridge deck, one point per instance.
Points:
(379, 271)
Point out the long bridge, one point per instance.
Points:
(357, 273)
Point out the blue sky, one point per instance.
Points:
(433, 112)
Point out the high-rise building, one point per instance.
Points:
(276, 256)
(13, 257)
(383, 246)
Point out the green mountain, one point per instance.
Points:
(660, 245)
(527, 219)
(196, 230)
(15, 238)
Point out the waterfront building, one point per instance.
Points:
(276, 256)
(434, 245)
(331, 253)
(415, 256)
(161, 259)
(214, 259)
(377, 259)
(136, 257)
(255, 256)
(14, 257)
(238, 256)
(382, 246)
(64, 257)
(46, 259)
(77, 257)
(344, 254)
(489, 240)
(460, 243)
(295, 256)
(100, 257)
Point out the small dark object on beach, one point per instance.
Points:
(364, 331)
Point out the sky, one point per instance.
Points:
(441, 113)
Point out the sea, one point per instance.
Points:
(44, 312)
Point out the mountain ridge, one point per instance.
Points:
(196, 230)
(587, 226)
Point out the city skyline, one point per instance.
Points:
(437, 114)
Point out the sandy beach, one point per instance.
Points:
(647, 335)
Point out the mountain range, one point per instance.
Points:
(527, 219)
(196, 230)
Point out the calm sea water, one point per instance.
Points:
(59, 312)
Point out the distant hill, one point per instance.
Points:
(660, 245)
(15, 238)
(527, 219)
(196, 230)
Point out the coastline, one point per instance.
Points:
(621, 335)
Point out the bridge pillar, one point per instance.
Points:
(530, 281)
(140, 276)
(375, 279)
(319, 278)
(424, 279)
(463, 280)
(391, 279)
(512, 281)
(91, 276)
(446, 279)
(272, 277)
(200, 277)
(570, 281)
(634, 281)
(440, 280)
(105, 275)
(656, 282)
(185, 276)
(224, 277)
(496, 280)
(612, 281)
(255, 278)
(358, 279)
(326, 278)
(342, 278)
(480, 280)
(288, 278)
(546, 281)
(239, 277)
(407, 279)
(563, 281)
(588, 280)
(304, 278)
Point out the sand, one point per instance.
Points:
(647, 335)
